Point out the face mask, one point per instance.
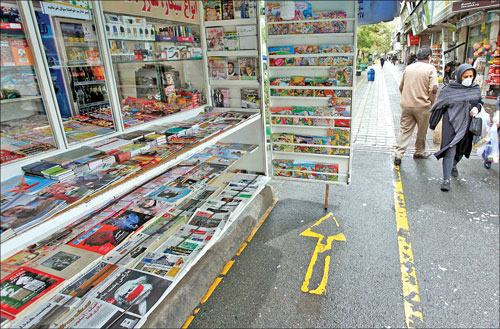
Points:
(467, 82)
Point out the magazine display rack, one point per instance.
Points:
(312, 59)
(241, 127)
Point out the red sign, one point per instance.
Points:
(413, 39)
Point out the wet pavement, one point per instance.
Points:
(454, 238)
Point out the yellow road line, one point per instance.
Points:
(411, 297)
(211, 289)
(243, 246)
(227, 267)
(188, 322)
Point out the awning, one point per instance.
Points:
(376, 11)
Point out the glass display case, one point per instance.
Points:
(25, 128)
(157, 65)
(70, 41)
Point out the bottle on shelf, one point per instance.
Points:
(80, 97)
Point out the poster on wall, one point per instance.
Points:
(181, 11)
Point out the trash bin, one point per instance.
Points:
(362, 67)
(371, 75)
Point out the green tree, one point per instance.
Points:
(375, 38)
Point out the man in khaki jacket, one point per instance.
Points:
(418, 88)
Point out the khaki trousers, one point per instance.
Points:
(410, 117)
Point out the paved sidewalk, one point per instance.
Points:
(377, 112)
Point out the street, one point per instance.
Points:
(404, 253)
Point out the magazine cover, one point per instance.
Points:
(169, 194)
(66, 261)
(24, 184)
(101, 238)
(93, 313)
(128, 220)
(227, 9)
(218, 68)
(304, 113)
(282, 138)
(276, 119)
(247, 68)
(231, 40)
(250, 98)
(308, 140)
(233, 71)
(339, 137)
(213, 10)
(221, 97)
(303, 10)
(304, 169)
(48, 314)
(136, 291)
(206, 219)
(215, 38)
(21, 51)
(23, 287)
(25, 210)
(164, 265)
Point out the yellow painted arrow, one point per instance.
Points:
(320, 248)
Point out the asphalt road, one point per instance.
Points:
(455, 238)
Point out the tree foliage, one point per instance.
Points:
(375, 38)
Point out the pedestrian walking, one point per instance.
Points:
(457, 103)
(382, 60)
(418, 87)
(494, 122)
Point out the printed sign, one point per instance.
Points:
(181, 11)
(471, 5)
(64, 10)
(413, 39)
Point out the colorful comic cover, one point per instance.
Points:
(306, 61)
(283, 167)
(23, 287)
(298, 81)
(215, 39)
(325, 171)
(319, 112)
(280, 81)
(318, 140)
(303, 93)
(213, 10)
(303, 10)
(304, 170)
(307, 141)
(304, 113)
(273, 12)
(343, 112)
(307, 49)
(247, 68)
(138, 292)
(282, 138)
(283, 111)
(339, 101)
(339, 137)
(286, 50)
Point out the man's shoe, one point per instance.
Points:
(445, 186)
(487, 165)
(421, 156)
(454, 172)
(397, 161)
